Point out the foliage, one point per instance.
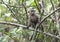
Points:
(16, 11)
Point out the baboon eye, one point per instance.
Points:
(32, 10)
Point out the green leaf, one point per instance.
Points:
(7, 18)
(29, 2)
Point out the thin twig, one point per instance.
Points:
(15, 6)
(23, 3)
(24, 6)
(53, 7)
(37, 7)
(14, 14)
(52, 4)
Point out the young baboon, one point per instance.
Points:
(33, 18)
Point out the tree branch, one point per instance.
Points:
(13, 24)
(37, 7)
(19, 25)
(52, 4)
(49, 15)
(24, 5)
(14, 14)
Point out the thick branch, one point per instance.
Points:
(13, 24)
(19, 25)
(49, 15)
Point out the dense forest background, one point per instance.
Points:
(14, 19)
